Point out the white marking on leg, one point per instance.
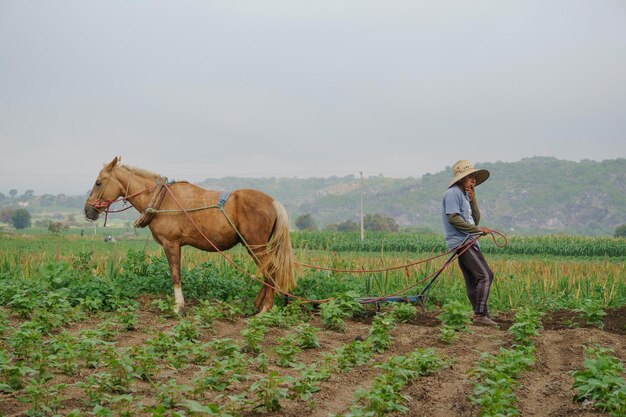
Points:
(178, 297)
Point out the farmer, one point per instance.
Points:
(460, 217)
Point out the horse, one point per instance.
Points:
(181, 213)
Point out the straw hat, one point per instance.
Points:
(464, 168)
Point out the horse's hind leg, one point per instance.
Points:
(265, 299)
(172, 252)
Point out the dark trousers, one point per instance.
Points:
(478, 278)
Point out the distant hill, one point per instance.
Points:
(539, 194)
(534, 195)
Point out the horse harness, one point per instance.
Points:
(159, 195)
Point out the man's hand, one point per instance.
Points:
(469, 191)
(484, 230)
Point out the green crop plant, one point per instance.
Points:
(600, 381)
(13, 373)
(527, 323)
(270, 390)
(352, 354)
(144, 362)
(591, 311)
(286, 348)
(224, 347)
(42, 399)
(455, 317)
(253, 335)
(306, 336)
(495, 379)
(379, 337)
(308, 379)
(185, 331)
(127, 319)
(219, 375)
(385, 396)
(403, 312)
(334, 312)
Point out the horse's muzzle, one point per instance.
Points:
(91, 213)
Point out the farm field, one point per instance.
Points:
(86, 328)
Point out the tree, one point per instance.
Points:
(620, 231)
(13, 193)
(28, 195)
(20, 219)
(55, 227)
(379, 223)
(348, 226)
(306, 222)
(6, 213)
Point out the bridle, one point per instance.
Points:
(101, 204)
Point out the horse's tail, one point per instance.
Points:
(278, 264)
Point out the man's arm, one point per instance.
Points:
(459, 223)
(475, 212)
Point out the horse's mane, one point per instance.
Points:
(141, 172)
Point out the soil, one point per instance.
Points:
(546, 389)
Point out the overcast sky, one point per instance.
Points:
(197, 89)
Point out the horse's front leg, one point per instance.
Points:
(172, 252)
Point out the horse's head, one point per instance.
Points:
(106, 189)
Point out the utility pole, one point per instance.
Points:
(362, 227)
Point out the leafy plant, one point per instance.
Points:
(385, 397)
(403, 312)
(335, 311)
(286, 348)
(527, 323)
(379, 337)
(495, 379)
(253, 335)
(600, 382)
(350, 355)
(455, 317)
(307, 382)
(591, 311)
(306, 336)
(270, 390)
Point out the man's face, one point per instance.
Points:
(468, 183)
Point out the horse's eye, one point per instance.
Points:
(98, 183)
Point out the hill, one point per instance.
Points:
(539, 194)
(534, 195)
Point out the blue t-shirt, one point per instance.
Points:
(455, 201)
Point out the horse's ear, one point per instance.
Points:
(112, 164)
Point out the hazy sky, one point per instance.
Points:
(197, 89)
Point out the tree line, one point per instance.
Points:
(371, 222)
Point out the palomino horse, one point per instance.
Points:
(181, 213)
